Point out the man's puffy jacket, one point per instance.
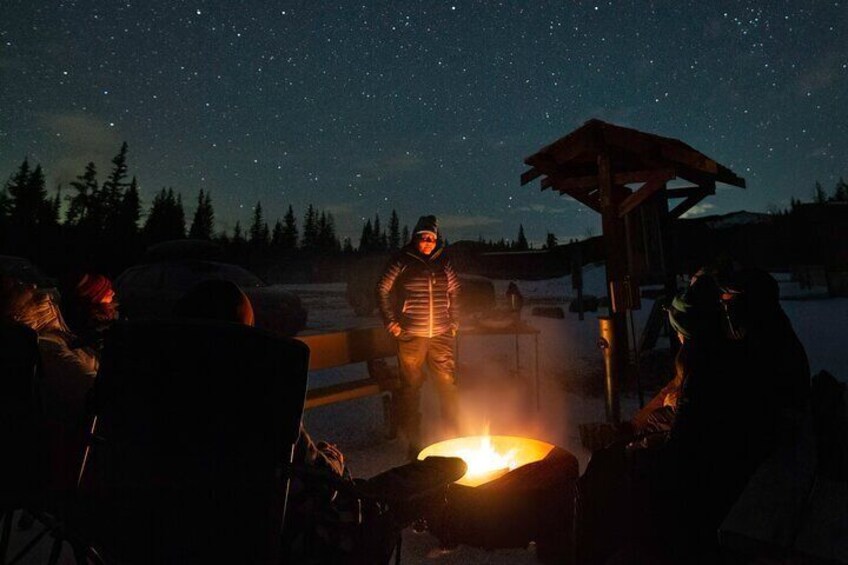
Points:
(427, 288)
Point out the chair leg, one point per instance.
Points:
(28, 547)
(80, 554)
(6, 534)
(56, 550)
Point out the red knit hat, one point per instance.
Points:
(93, 288)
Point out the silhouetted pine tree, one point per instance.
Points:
(277, 236)
(30, 219)
(238, 236)
(394, 232)
(310, 229)
(179, 217)
(45, 210)
(129, 212)
(550, 241)
(56, 206)
(819, 197)
(379, 239)
(258, 228)
(24, 202)
(203, 222)
(404, 238)
(112, 192)
(166, 219)
(347, 247)
(327, 240)
(366, 239)
(85, 206)
(321, 237)
(840, 192)
(289, 238)
(4, 219)
(521, 242)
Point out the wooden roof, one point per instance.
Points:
(570, 166)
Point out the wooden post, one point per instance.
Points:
(615, 245)
(577, 277)
(667, 260)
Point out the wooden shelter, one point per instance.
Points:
(617, 172)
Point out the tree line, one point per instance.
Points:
(102, 224)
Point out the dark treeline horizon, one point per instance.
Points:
(103, 226)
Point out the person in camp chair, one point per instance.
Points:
(331, 517)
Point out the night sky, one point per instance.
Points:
(425, 107)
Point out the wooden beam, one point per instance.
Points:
(727, 176)
(587, 198)
(542, 161)
(689, 157)
(647, 175)
(682, 191)
(687, 204)
(569, 183)
(530, 175)
(642, 194)
(696, 177)
(584, 139)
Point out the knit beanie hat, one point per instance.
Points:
(93, 288)
(696, 311)
(216, 299)
(427, 224)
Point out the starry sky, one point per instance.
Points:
(419, 106)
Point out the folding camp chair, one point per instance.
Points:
(21, 470)
(25, 471)
(195, 422)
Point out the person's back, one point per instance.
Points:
(223, 301)
(703, 466)
(772, 357)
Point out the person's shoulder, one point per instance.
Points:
(403, 255)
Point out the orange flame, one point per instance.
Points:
(489, 457)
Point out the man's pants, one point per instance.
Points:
(438, 352)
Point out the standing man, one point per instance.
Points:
(423, 318)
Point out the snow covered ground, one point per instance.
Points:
(494, 397)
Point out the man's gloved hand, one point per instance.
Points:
(454, 328)
(393, 328)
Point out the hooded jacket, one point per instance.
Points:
(427, 289)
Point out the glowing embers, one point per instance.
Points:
(489, 457)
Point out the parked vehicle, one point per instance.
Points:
(152, 290)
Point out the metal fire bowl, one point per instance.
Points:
(526, 451)
(533, 502)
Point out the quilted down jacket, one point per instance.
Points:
(426, 287)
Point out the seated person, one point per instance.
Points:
(68, 372)
(681, 477)
(692, 315)
(89, 306)
(775, 361)
(224, 301)
(327, 522)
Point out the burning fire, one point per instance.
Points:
(489, 457)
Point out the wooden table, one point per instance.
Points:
(517, 329)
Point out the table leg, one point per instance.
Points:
(538, 398)
(517, 360)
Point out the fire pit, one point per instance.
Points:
(489, 457)
(516, 490)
